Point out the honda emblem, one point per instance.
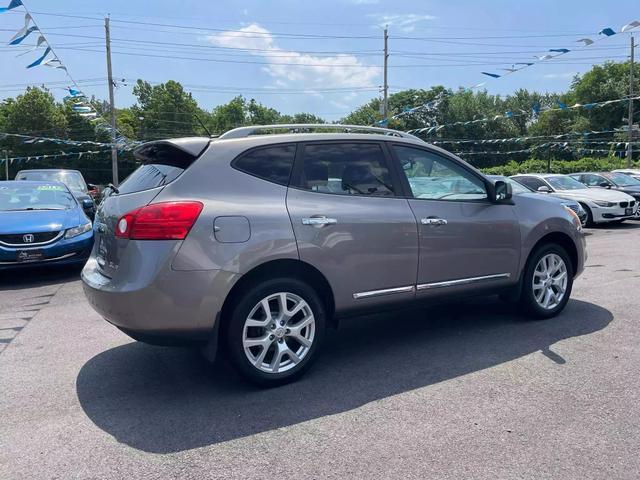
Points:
(28, 238)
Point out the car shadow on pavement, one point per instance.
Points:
(164, 400)
(40, 276)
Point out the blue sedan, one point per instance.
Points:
(42, 223)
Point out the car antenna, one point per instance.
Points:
(202, 124)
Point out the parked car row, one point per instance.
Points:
(259, 242)
(605, 196)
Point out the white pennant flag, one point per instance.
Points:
(632, 25)
(23, 30)
(40, 41)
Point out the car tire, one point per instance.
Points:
(589, 223)
(272, 347)
(541, 285)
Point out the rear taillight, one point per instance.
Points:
(159, 221)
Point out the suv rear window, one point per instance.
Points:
(161, 164)
(272, 163)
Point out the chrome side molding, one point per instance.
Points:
(462, 281)
(386, 291)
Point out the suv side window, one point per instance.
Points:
(434, 177)
(531, 182)
(346, 169)
(272, 163)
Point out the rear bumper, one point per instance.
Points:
(177, 307)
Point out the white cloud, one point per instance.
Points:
(406, 22)
(563, 76)
(302, 70)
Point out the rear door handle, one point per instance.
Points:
(433, 221)
(320, 220)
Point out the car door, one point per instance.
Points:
(351, 224)
(466, 241)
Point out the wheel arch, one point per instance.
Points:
(281, 268)
(563, 240)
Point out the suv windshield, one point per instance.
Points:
(562, 182)
(622, 180)
(71, 179)
(38, 197)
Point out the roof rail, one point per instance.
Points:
(243, 132)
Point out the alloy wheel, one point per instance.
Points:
(550, 281)
(278, 332)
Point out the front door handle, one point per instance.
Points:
(319, 220)
(433, 221)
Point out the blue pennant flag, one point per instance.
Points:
(494, 75)
(562, 105)
(25, 35)
(589, 106)
(560, 50)
(39, 60)
(606, 31)
(12, 4)
(509, 114)
(536, 108)
(75, 93)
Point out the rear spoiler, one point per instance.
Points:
(192, 146)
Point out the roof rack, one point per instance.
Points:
(243, 132)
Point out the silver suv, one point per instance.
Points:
(258, 242)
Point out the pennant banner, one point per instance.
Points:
(536, 110)
(12, 4)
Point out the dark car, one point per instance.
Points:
(41, 223)
(71, 178)
(611, 180)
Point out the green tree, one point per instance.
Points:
(35, 112)
(164, 110)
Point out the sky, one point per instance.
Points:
(323, 57)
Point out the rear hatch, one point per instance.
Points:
(162, 162)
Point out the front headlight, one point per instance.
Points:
(574, 218)
(79, 230)
(604, 204)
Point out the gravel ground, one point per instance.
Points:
(466, 391)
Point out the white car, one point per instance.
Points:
(601, 205)
(632, 172)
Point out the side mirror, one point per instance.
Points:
(91, 186)
(604, 185)
(544, 189)
(87, 204)
(501, 191)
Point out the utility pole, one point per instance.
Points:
(6, 165)
(630, 124)
(114, 149)
(385, 86)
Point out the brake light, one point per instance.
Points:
(159, 221)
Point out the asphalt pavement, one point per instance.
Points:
(471, 390)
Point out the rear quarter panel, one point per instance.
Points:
(227, 192)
